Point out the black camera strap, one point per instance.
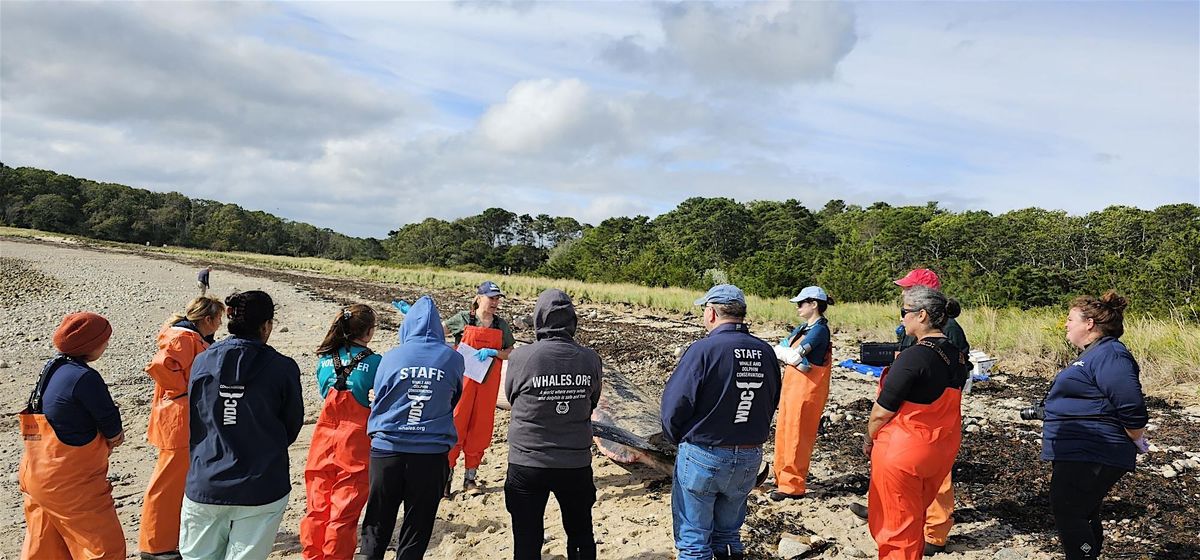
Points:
(343, 371)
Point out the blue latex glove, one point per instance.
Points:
(900, 332)
(784, 341)
(401, 306)
(485, 353)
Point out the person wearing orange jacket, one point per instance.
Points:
(475, 414)
(915, 428)
(808, 357)
(335, 477)
(69, 428)
(181, 339)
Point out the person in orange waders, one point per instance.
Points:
(70, 427)
(807, 355)
(939, 516)
(915, 427)
(180, 340)
(475, 415)
(335, 477)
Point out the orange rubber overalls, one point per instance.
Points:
(336, 476)
(475, 414)
(168, 430)
(913, 455)
(802, 400)
(69, 509)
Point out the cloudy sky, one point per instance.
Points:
(362, 117)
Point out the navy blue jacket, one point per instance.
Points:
(77, 404)
(246, 409)
(1091, 403)
(416, 387)
(724, 390)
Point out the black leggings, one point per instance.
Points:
(417, 480)
(526, 491)
(1076, 492)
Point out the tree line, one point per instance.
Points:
(1027, 258)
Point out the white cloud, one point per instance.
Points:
(768, 43)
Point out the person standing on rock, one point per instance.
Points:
(70, 426)
(335, 477)
(553, 385)
(246, 409)
(807, 356)
(202, 280)
(411, 428)
(475, 416)
(915, 427)
(939, 517)
(181, 339)
(1095, 422)
(717, 406)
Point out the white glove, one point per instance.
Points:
(787, 355)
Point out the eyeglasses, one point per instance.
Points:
(904, 312)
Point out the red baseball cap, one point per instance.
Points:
(920, 277)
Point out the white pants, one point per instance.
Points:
(215, 532)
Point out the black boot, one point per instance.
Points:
(581, 553)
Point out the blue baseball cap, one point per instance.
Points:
(721, 294)
(811, 292)
(489, 289)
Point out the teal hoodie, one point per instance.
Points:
(416, 387)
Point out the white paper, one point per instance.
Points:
(476, 370)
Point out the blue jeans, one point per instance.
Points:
(708, 498)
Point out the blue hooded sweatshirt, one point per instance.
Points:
(416, 387)
(246, 409)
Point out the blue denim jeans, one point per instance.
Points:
(708, 498)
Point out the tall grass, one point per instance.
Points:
(1026, 341)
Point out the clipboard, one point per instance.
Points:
(475, 370)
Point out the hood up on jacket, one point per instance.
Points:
(422, 323)
(554, 315)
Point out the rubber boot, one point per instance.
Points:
(581, 553)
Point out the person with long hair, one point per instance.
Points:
(475, 416)
(246, 409)
(182, 337)
(915, 428)
(335, 477)
(1095, 422)
(69, 428)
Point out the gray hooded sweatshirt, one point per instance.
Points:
(553, 385)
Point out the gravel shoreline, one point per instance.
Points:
(42, 281)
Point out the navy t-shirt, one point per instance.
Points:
(77, 405)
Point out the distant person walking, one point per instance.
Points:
(915, 427)
(717, 406)
(475, 416)
(807, 356)
(1095, 422)
(246, 409)
(411, 426)
(202, 280)
(70, 426)
(182, 337)
(553, 386)
(335, 476)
